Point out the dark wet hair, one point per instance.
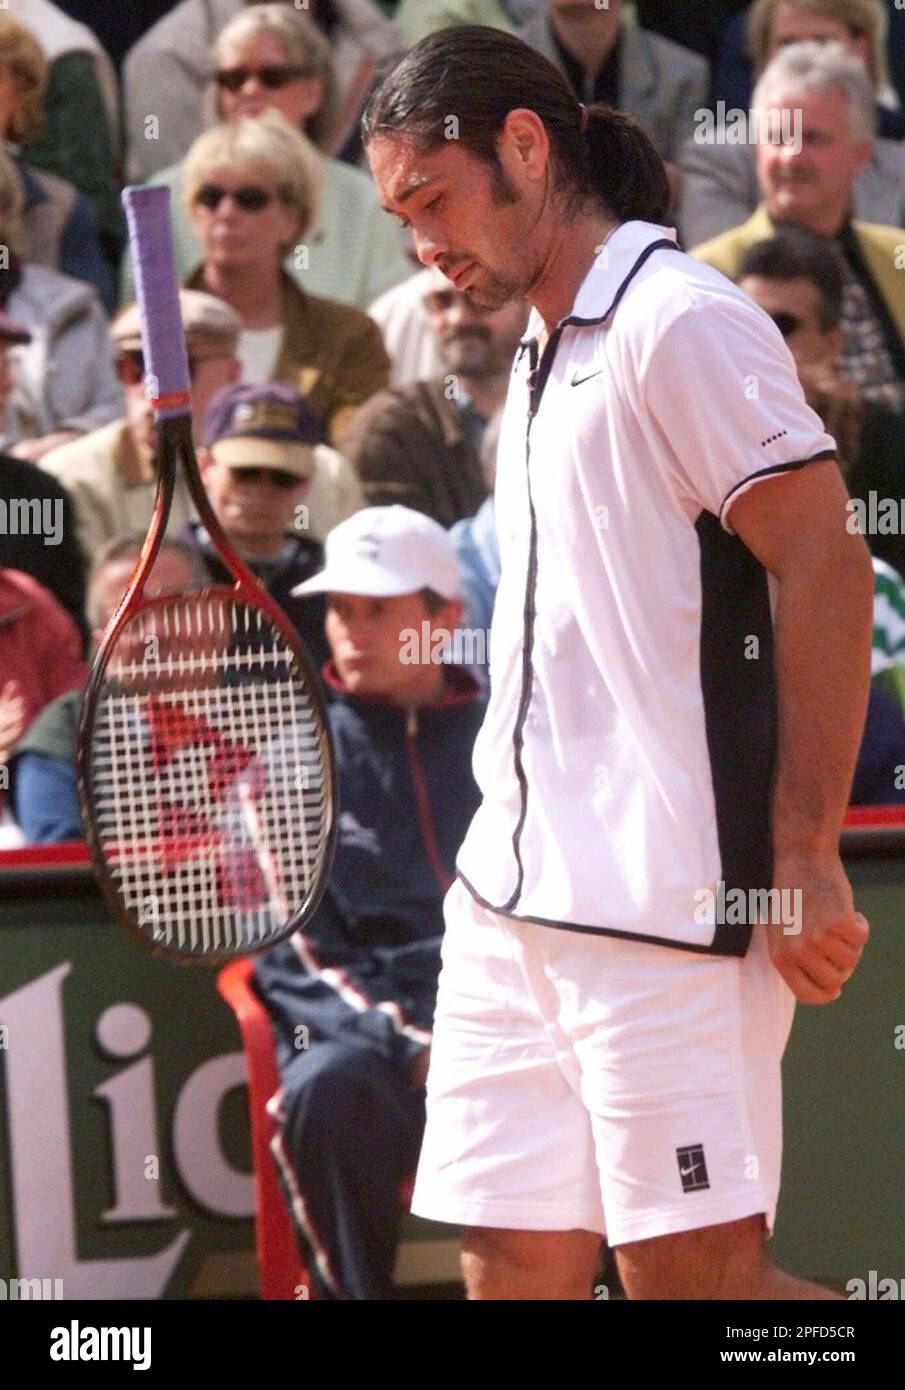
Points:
(462, 82)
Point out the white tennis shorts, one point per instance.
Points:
(583, 1082)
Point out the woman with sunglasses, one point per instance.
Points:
(273, 57)
(251, 188)
(174, 55)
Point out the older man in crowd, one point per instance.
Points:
(111, 473)
(719, 174)
(808, 183)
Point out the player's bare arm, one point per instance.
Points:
(795, 525)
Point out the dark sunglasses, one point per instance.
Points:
(786, 323)
(279, 477)
(130, 367)
(249, 198)
(272, 76)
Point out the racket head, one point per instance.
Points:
(205, 773)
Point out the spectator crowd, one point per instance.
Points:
(346, 403)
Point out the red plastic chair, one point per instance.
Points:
(281, 1269)
(279, 1266)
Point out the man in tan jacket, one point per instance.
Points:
(807, 182)
(110, 474)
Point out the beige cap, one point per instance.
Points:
(299, 459)
(210, 325)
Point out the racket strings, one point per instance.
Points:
(208, 772)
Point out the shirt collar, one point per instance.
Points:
(600, 288)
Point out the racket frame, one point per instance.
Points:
(176, 446)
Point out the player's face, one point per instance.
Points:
(810, 185)
(366, 640)
(473, 227)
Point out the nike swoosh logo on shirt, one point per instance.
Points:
(579, 380)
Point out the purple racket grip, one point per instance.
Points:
(167, 379)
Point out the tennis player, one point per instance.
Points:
(680, 668)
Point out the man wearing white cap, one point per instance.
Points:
(352, 1000)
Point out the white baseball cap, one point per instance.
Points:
(383, 552)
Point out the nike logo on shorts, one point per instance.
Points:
(579, 380)
(693, 1178)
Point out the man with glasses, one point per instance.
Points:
(111, 474)
(258, 461)
(422, 444)
(799, 280)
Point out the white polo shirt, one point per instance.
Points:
(627, 755)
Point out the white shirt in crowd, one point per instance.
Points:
(258, 350)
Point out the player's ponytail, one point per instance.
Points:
(460, 83)
(622, 166)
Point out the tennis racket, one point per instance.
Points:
(205, 770)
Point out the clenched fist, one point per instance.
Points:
(819, 954)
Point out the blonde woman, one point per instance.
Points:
(273, 57)
(719, 188)
(172, 57)
(59, 228)
(250, 188)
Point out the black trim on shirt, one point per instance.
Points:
(776, 468)
(696, 949)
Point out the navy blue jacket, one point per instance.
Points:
(366, 966)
